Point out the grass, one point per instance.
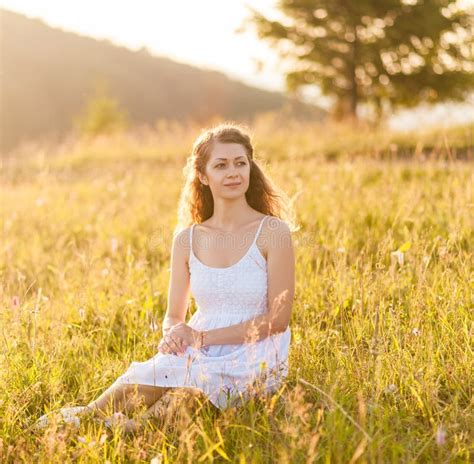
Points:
(381, 360)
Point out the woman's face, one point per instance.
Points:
(228, 164)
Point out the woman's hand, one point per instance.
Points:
(171, 344)
(184, 333)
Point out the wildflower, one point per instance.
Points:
(397, 256)
(82, 313)
(392, 388)
(341, 250)
(440, 436)
(15, 302)
(297, 338)
(153, 326)
(416, 332)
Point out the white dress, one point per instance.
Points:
(224, 297)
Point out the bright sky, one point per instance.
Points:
(198, 32)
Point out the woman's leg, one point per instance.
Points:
(172, 399)
(126, 398)
(167, 405)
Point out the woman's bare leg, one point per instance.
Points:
(126, 398)
(166, 406)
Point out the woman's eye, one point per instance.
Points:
(222, 164)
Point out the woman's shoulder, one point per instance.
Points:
(276, 226)
(181, 238)
(274, 231)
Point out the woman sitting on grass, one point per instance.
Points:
(233, 251)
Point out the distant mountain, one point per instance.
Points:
(47, 76)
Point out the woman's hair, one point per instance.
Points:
(196, 203)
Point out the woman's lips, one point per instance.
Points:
(233, 185)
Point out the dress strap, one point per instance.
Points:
(258, 230)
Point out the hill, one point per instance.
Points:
(48, 75)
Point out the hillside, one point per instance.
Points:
(48, 74)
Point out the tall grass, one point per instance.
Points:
(381, 360)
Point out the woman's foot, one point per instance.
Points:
(68, 415)
(119, 419)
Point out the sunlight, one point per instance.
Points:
(182, 30)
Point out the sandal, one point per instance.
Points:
(69, 416)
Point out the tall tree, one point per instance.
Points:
(381, 53)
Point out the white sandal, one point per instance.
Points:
(69, 416)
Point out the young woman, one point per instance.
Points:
(233, 251)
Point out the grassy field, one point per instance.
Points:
(381, 362)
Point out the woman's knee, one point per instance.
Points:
(146, 393)
(189, 396)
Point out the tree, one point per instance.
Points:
(101, 115)
(381, 53)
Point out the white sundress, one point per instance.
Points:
(224, 297)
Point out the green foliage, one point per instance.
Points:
(102, 115)
(380, 53)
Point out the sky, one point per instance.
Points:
(198, 32)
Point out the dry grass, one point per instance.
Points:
(381, 360)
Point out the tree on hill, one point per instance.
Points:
(380, 54)
(102, 114)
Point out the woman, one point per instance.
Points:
(235, 255)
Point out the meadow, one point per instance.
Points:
(381, 361)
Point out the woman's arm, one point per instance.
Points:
(179, 286)
(281, 285)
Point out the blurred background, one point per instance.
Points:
(76, 68)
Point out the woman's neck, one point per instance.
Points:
(231, 216)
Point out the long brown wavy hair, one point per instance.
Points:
(196, 203)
